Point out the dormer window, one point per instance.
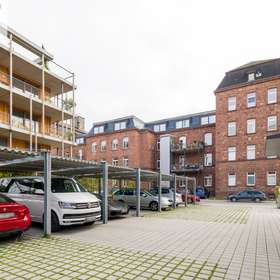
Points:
(120, 125)
(99, 129)
(160, 127)
(251, 77)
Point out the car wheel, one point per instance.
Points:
(154, 206)
(55, 223)
(233, 199)
(257, 199)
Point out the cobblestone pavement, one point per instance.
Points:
(236, 241)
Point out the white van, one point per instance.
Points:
(70, 202)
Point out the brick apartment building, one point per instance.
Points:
(247, 114)
(235, 147)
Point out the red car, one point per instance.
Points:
(14, 217)
(191, 198)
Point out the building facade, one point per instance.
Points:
(247, 113)
(184, 145)
(37, 106)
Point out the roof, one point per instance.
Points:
(263, 69)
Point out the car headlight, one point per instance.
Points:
(66, 205)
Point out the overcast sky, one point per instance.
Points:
(150, 58)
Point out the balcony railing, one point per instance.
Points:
(187, 167)
(35, 92)
(193, 147)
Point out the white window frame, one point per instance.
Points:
(231, 125)
(208, 159)
(208, 139)
(249, 103)
(251, 174)
(160, 127)
(271, 175)
(103, 146)
(99, 129)
(115, 162)
(231, 153)
(251, 126)
(208, 181)
(120, 125)
(231, 179)
(179, 124)
(182, 161)
(125, 142)
(204, 120)
(115, 143)
(158, 164)
(269, 120)
(251, 77)
(80, 153)
(251, 152)
(212, 119)
(93, 147)
(186, 123)
(183, 142)
(272, 95)
(125, 162)
(232, 103)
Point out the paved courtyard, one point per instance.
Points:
(214, 240)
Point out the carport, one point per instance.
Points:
(26, 162)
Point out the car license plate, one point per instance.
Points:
(90, 219)
(6, 215)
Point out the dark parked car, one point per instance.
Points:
(248, 195)
(202, 192)
(115, 208)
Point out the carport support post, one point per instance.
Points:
(174, 190)
(194, 191)
(138, 190)
(105, 193)
(186, 192)
(47, 191)
(159, 191)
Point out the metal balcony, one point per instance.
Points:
(187, 148)
(187, 168)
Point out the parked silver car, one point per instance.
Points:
(169, 193)
(147, 200)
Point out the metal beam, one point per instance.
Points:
(21, 160)
(186, 191)
(138, 191)
(174, 190)
(105, 193)
(47, 192)
(194, 191)
(159, 191)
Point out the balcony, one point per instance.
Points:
(187, 148)
(36, 93)
(187, 168)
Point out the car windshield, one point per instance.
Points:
(64, 185)
(5, 199)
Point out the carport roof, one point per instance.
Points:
(19, 161)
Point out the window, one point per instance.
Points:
(208, 181)
(271, 95)
(232, 103)
(208, 159)
(208, 139)
(160, 127)
(251, 126)
(125, 162)
(181, 160)
(183, 142)
(158, 145)
(251, 77)
(103, 145)
(80, 153)
(115, 144)
(204, 120)
(115, 162)
(271, 178)
(231, 128)
(120, 125)
(94, 147)
(80, 141)
(272, 123)
(125, 142)
(231, 179)
(158, 164)
(251, 180)
(212, 119)
(231, 153)
(251, 152)
(251, 100)
(182, 124)
(99, 129)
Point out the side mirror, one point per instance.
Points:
(39, 192)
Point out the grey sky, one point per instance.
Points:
(151, 58)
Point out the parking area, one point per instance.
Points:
(213, 240)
